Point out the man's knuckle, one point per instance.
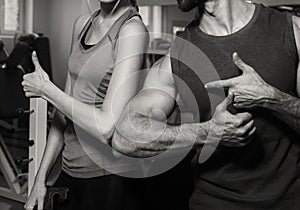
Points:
(242, 144)
(241, 140)
(238, 122)
(248, 115)
(244, 130)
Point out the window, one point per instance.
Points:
(11, 16)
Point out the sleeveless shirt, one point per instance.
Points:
(266, 171)
(90, 70)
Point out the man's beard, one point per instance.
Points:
(188, 5)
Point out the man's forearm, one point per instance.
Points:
(286, 107)
(148, 137)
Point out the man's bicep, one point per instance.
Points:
(153, 103)
(160, 77)
(159, 89)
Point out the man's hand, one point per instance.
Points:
(35, 83)
(249, 89)
(228, 129)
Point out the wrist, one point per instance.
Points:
(272, 97)
(211, 131)
(49, 90)
(202, 133)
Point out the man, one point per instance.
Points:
(255, 50)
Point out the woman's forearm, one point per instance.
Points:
(53, 148)
(83, 115)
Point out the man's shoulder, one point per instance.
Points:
(271, 16)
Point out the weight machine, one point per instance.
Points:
(16, 111)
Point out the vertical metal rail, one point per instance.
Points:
(38, 119)
(37, 134)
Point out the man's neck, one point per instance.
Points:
(224, 17)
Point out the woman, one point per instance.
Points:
(107, 48)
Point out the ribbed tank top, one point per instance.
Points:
(266, 171)
(91, 70)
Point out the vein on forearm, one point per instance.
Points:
(148, 137)
(287, 107)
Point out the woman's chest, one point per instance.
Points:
(91, 65)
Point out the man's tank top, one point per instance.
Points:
(91, 70)
(267, 170)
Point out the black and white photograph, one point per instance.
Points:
(149, 104)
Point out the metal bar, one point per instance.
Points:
(37, 133)
(7, 170)
(8, 157)
(4, 192)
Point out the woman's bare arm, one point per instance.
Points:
(132, 45)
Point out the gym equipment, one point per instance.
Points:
(14, 177)
(3, 53)
(17, 112)
(20, 57)
(37, 134)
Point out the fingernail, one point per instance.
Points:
(34, 53)
(205, 86)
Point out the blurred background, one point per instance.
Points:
(53, 21)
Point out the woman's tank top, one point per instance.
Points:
(90, 70)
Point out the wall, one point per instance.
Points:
(171, 15)
(40, 15)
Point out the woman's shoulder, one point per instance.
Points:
(133, 26)
(80, 22)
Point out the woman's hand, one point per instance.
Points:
(37, 196)
(35, 84)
